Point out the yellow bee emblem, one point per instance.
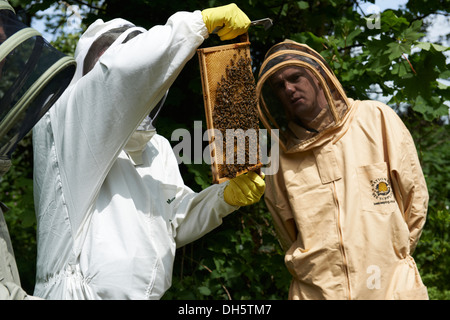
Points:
(381, 187)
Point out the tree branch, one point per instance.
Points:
(89, 5)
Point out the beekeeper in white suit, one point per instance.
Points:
(111, 204)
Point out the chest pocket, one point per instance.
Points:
(376, 192)
(327, 164)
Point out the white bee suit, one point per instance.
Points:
(108, 225)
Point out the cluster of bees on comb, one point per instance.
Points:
(235, 108)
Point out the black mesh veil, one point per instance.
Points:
(325, 94)
(33, 75)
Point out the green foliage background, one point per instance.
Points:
(242, 259)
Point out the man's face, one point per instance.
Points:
(299, 92)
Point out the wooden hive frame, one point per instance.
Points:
(214, 62)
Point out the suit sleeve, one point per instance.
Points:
(279, 207)
(100, 112)
(408, 179)
(194, 214)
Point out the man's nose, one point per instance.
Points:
(289, 87)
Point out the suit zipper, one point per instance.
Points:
(341, 241)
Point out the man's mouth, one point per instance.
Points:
(299, 99)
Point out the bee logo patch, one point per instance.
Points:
(382, 191)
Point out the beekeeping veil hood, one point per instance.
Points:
(99, 37)
(33, 75)
(95, 41)
(298, 130)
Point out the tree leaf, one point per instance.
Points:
(204, 291)
(396, 50)
(302, 5)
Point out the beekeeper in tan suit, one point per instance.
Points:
(349, 200)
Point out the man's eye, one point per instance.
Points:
(296, 76)
(278, 85)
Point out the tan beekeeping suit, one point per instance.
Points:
(349, 200)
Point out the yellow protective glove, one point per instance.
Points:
(245, 189)
(229, 20)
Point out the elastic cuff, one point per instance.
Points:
(221, 191)
(203, 30)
